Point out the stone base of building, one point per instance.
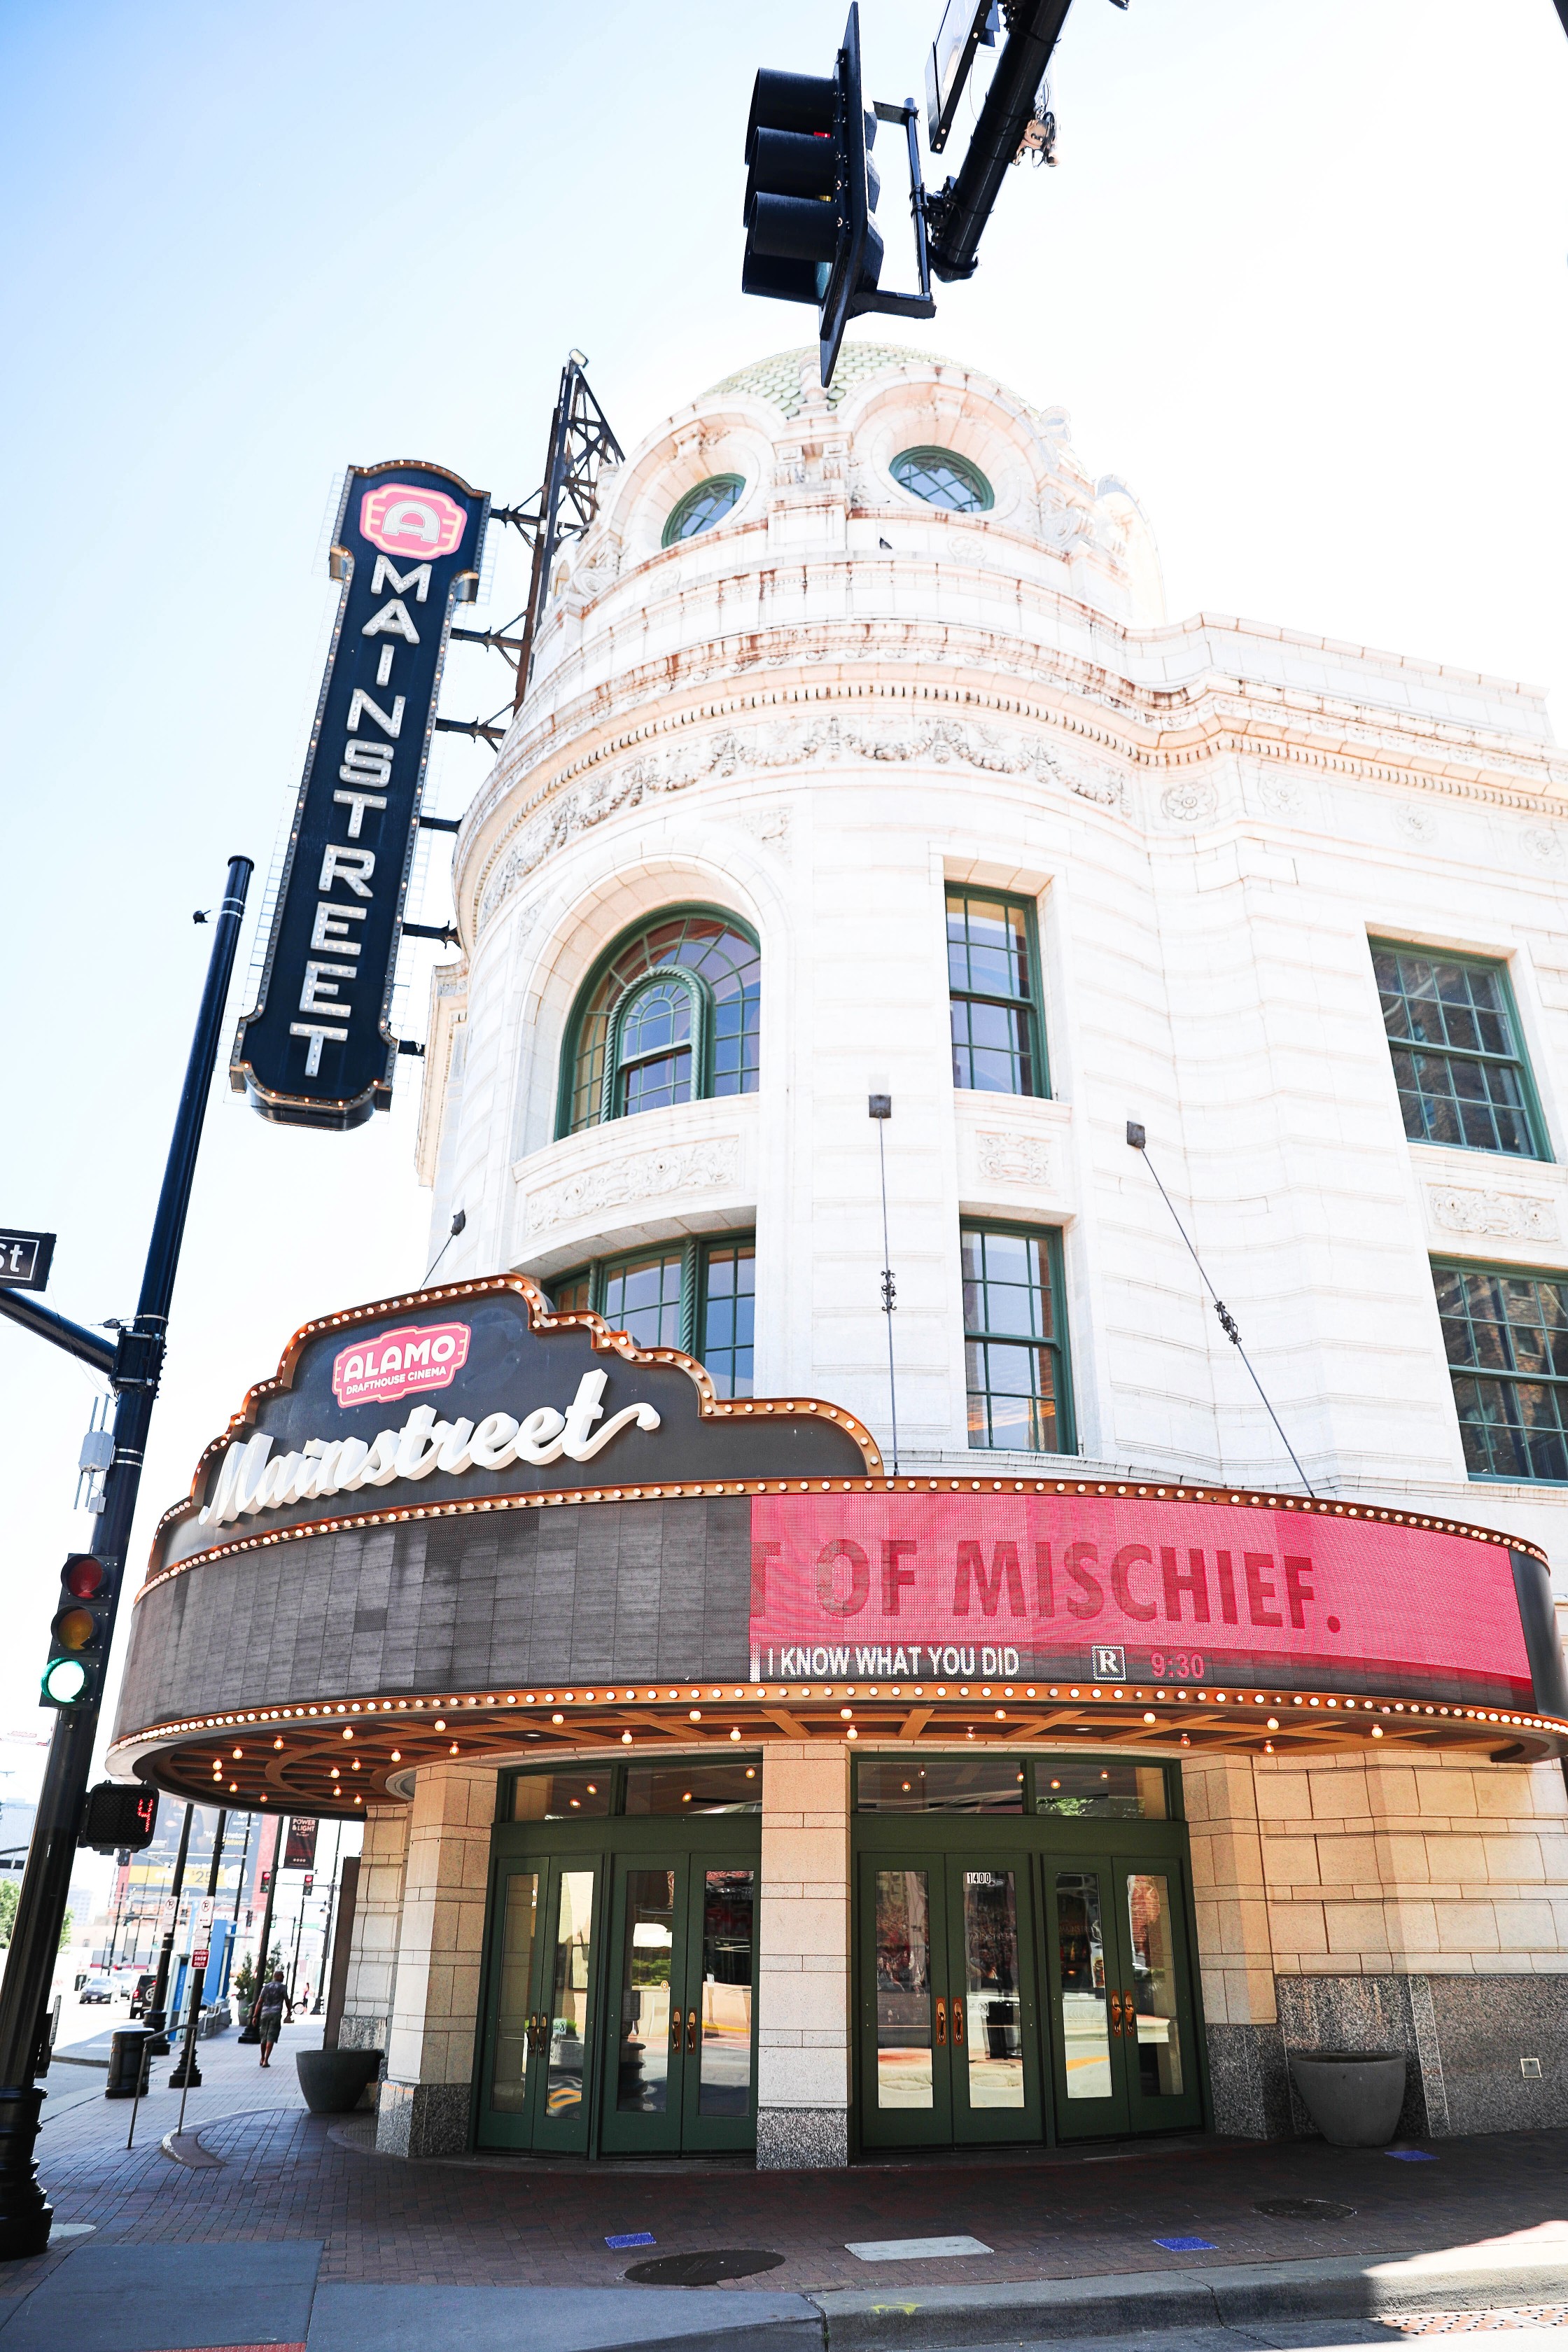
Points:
(423, 2118)
(802, 2139)
(1466, 2037)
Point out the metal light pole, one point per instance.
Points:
(157, 2007)
(133, 1368)
(249, 2033)
(187, 2071)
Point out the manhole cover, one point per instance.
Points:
(1304, 2209)
(704, 2270)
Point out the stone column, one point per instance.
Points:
(373, 1950)
(804, 1994)
(1223, 1796)
(425, 2099)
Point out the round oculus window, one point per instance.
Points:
(701, 507)
(943, 479)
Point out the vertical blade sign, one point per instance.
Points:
(317, 1049)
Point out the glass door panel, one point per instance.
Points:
(1157, 2018)
(907, 2096)
(996, 2091)
(650, 2019)
(1085, 2019)
(568, 1964)
(509, 2070)
(719, 2005)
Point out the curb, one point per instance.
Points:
(858, 2319)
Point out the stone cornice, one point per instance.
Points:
(1077, 705)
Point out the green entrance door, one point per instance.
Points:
(545, 1927)
(1122, 2025)
(949, 2035)
(683, 2067)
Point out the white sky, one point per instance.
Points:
(1300, 278)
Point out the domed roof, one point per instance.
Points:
(778, 380)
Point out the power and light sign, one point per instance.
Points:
(317, 1049)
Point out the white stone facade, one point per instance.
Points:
(819, 714)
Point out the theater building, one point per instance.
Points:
(782, 1726)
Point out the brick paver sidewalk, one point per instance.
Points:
(509, 2221)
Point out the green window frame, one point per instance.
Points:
(630, 1045)
(702, 506)
(994, 992)
(1459, 1063)
(1016, 1373)
(1505, 1335)
(942, 479)
(998, 1784)
(599, 1791)
(697, 1296)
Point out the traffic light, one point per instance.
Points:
(78, 1644)
(116, 1817)
(811, 189)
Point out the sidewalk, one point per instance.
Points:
(1073, 2237)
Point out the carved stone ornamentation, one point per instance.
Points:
(1282, 795)
(641, 1176)
(1510, 1216)
(1014, 1160)
(1542, 845)
(792, 743)
(1192, 802)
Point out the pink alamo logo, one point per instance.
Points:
(403, 520)
(400, 1364)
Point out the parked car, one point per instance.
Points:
(97, 1988)
(141, 1993)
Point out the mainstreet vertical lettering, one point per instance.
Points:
(317, 1049)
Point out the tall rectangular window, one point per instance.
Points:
(990, 970)
(699, 1297)
(1459, 1058)
(728, 1315)
(1506, 1337)
(1014, 1340)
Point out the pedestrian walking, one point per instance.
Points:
(266, 2015)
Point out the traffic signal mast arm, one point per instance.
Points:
(956, 214)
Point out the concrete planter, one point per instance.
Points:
(1352, 2095)
(334, 2081)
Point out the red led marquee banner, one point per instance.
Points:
(916, 1587)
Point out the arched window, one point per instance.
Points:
(943, 479)
(670, 1015)
(701, 507)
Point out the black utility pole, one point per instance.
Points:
(958, 212)
(133, 1368)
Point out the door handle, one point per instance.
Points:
(1116, 2012)
(941, 2025)
(675, 2028)
(957, 2023)
(1129, 2014)
(691, 2029)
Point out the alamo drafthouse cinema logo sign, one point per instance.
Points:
(316, 1049)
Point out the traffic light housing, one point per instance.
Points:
(115, 1818)
(79, 1637)
(811, 190)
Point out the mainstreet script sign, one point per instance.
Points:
(317, 1050)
